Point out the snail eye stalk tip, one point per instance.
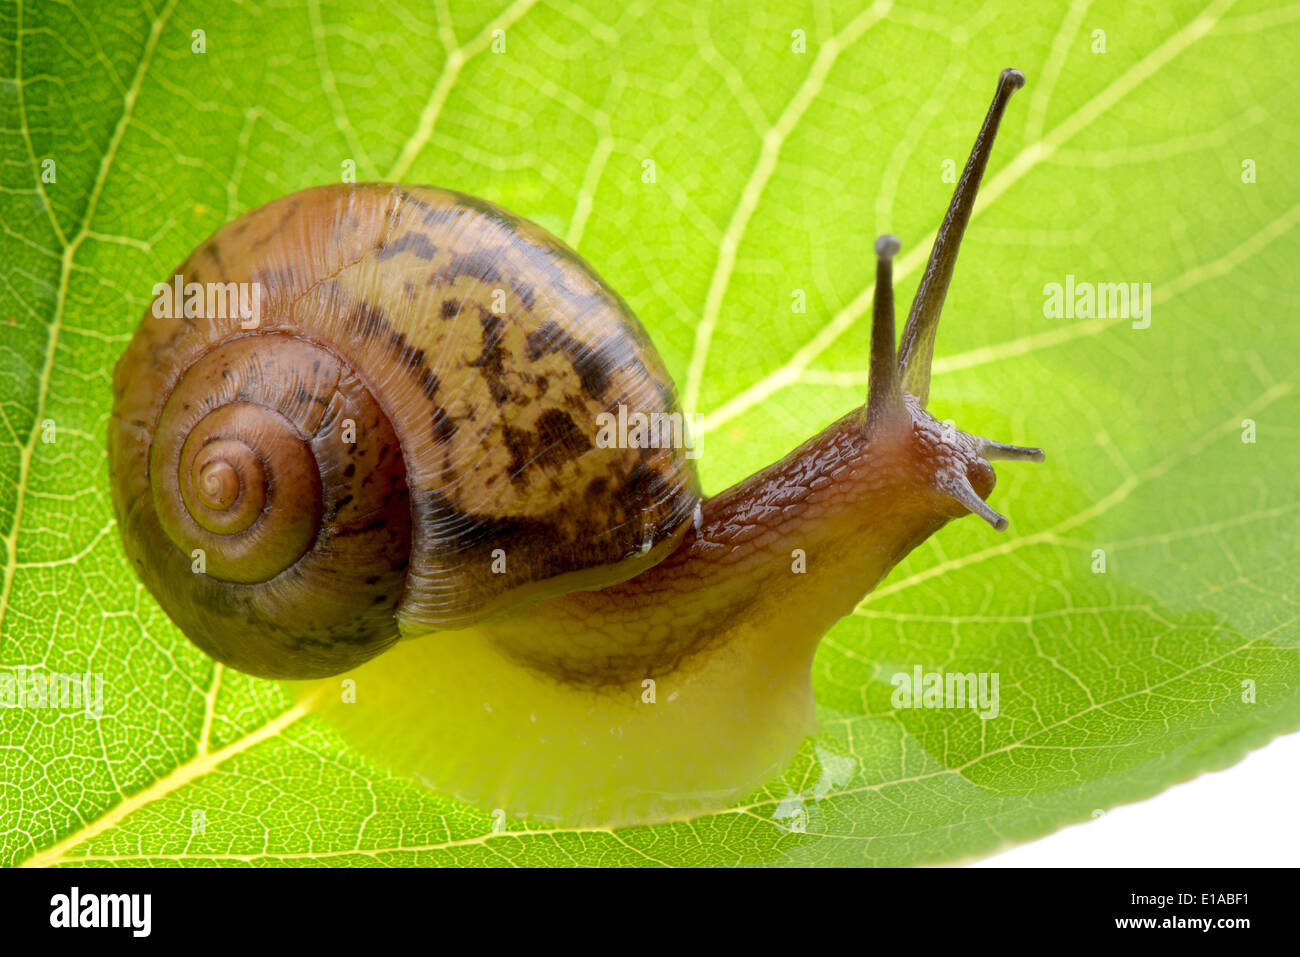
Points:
(885, 409)
(917, 349)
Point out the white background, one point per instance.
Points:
(1247, 815)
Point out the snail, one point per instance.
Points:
(403, 440)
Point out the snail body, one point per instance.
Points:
(404, 443)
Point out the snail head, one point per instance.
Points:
(954, 465)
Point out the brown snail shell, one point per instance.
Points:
(465, 353)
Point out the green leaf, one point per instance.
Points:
(775, 170)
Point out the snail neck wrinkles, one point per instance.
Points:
(773, 562)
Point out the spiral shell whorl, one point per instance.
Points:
(277, 482)
(245, 489)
